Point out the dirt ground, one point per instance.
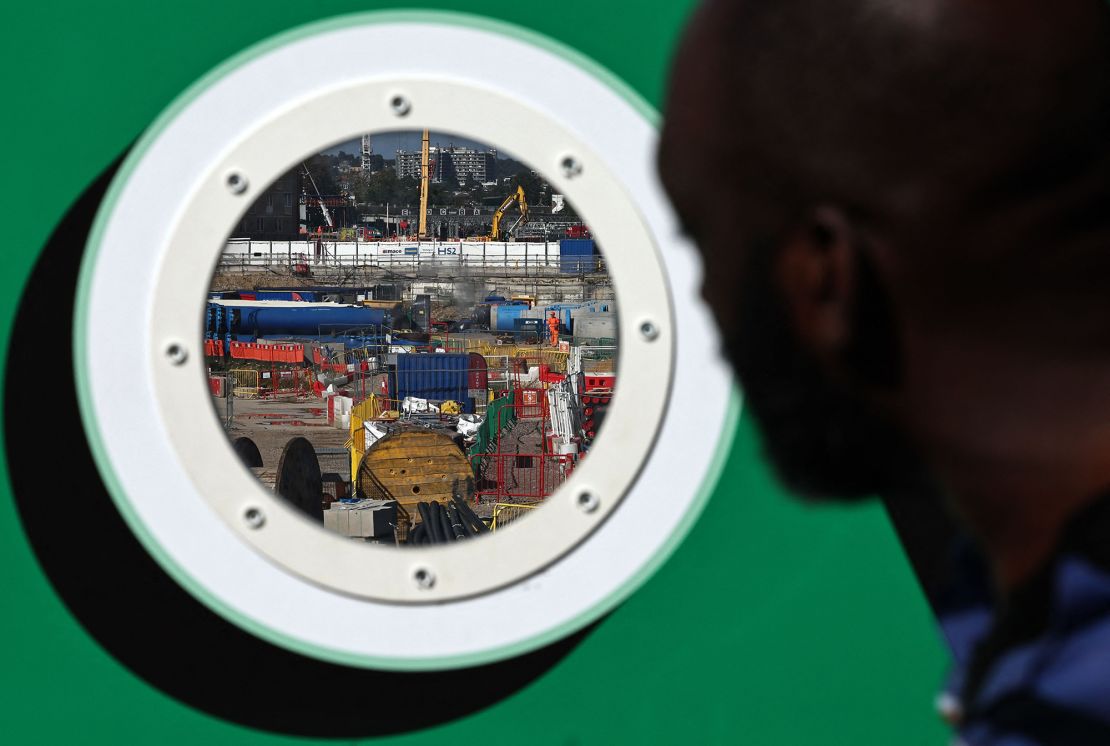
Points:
(522, 479)
(272, 424)
(259, 277)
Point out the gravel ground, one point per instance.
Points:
(272, 424)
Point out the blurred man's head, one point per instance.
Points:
(902, 208)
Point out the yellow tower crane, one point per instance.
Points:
(422, 233)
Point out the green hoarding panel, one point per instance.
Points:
(774, 622)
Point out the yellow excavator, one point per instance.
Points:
(496, 234)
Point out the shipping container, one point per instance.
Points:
(436, 377)
(595, 326)
(578, 255)
(477, 375)
(577, 247)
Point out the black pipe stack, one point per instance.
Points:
(442, 523)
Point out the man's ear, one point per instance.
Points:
(815, 272)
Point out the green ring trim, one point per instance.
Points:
(92, 431)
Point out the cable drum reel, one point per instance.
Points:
(245, 553)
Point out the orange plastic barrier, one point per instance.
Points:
(268, 353)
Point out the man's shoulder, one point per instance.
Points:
(1054, 688)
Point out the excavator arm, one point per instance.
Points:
(499, 215)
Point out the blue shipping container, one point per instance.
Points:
(577, 255)
(435, 376)
(577, 247)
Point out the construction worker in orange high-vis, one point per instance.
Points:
(553, 329)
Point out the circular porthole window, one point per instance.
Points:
(435, 328)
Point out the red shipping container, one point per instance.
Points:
(477, 372)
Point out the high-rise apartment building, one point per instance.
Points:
(453, 164)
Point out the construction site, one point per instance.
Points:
(401, 388)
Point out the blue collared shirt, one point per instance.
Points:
(1035, 669)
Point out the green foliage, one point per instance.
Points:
(382, 187)
(322, 168)
(535, 189)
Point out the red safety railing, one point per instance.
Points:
(519, 465)
(530, 404)
(522, 476)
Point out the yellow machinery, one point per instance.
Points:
(370, 409)
(495, 233)
(422, 233)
